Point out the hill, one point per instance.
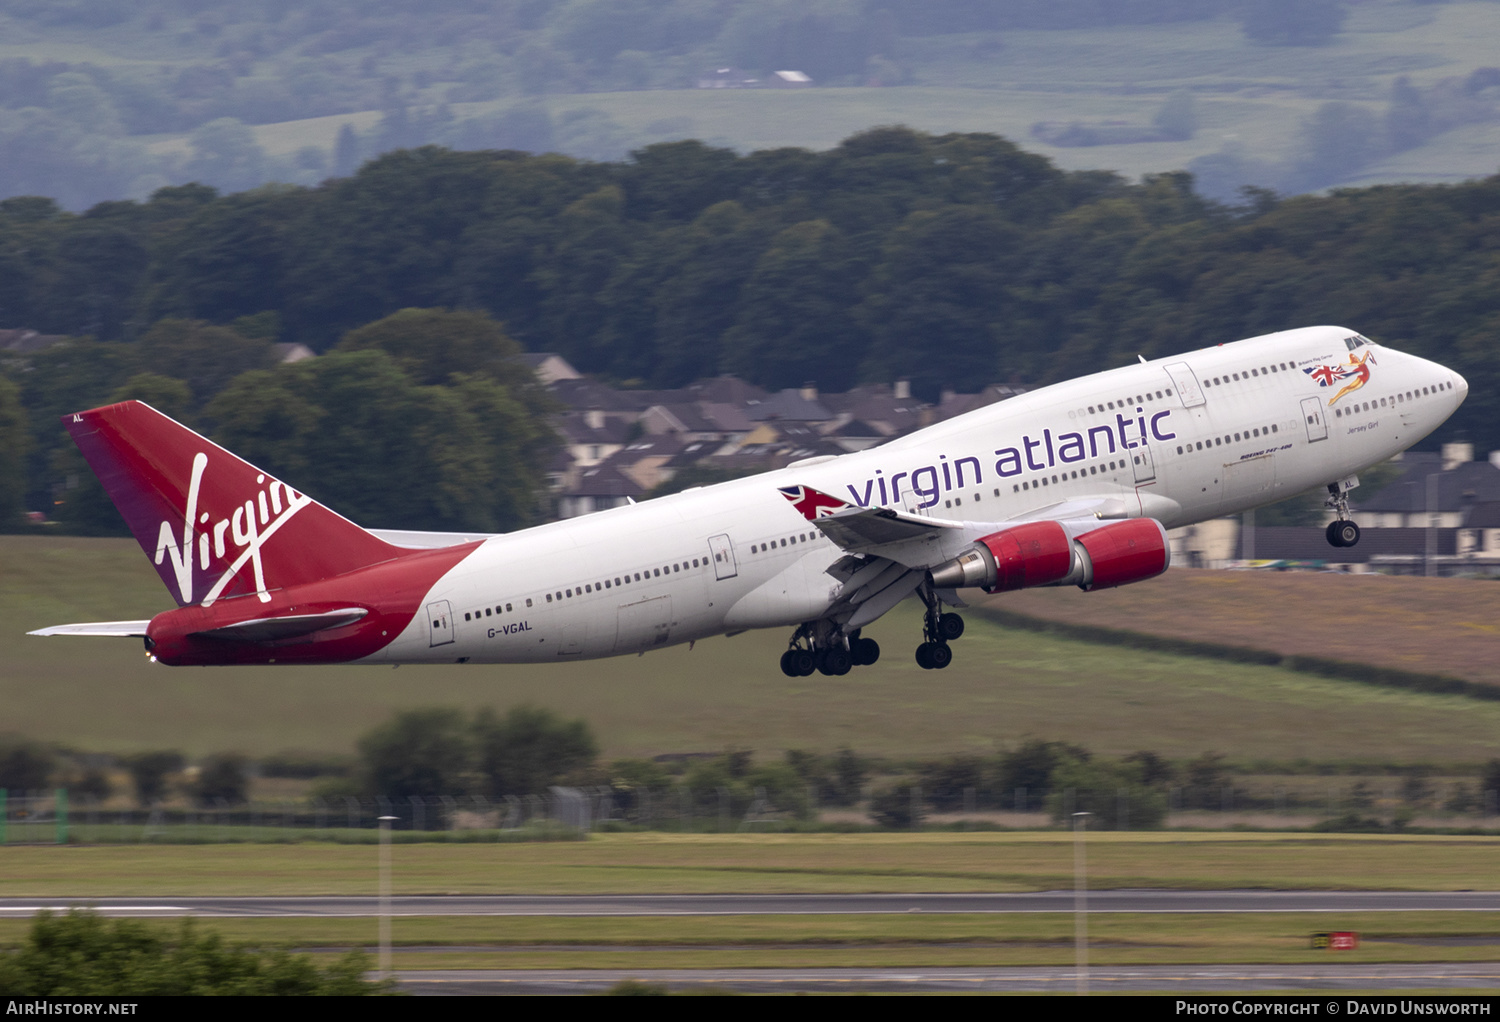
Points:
(1440, 626)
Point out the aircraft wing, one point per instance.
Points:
(858, 529)
(118, 629)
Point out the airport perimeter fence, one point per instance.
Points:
(55, 817)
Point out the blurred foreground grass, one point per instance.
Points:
(811, 941)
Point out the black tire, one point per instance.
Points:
(950, 627)
(866, 652)
(837, 661)
(1348, 533)
(789, 663)
(804, 661)
(939, 655)
(924, 659)
(1332, 534)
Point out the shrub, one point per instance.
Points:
(896, 809)
(149, 771)
(1112, 793)
(81, 954)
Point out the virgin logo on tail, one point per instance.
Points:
(248, 527)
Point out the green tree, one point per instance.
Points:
(418, 753)
(151, 771)
(223, 777)
(25, 765)
(331, 419)
(529, 749)
(793, 322)
(1113, 793)
(14, 440)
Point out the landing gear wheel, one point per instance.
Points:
(950, 627)
(789, 663)
(1342, 534)
(835, 661)
(804, 661)
(865, 651)
(939, 655)
(924, 656)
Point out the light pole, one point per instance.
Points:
(385, 896)
(1428, 568)
(1080, 905)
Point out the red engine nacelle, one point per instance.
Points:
(1042, 553)
(1125, 552)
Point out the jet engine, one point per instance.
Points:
(1045, 554)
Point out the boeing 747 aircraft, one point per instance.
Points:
(1073, 484)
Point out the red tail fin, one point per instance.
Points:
(214, 525)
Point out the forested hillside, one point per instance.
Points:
(952, 261)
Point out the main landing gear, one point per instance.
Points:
(1341, 532)
(938, 629)
(821, 646)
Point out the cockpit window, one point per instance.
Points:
(1357, 341)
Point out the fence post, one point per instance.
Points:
(61, 812)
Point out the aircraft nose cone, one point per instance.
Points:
(1461, 385)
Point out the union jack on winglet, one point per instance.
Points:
(811, 503)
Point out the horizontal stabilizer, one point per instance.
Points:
(117, 629)
(428, 540)
(288, 626)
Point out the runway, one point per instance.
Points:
(1151, 901)
(1171, 979)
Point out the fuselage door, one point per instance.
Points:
(1313, 414)
(723, 551)
(439, 623)
(1143, 463)
(1186, 382)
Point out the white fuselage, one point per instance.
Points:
(1158, 439)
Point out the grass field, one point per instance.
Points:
(811, 863)
(102, 694)
(1439, 625)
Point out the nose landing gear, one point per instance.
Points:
(1341, 532)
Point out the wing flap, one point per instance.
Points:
(115, 629)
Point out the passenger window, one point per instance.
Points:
(676, 567)
(486, 612)
(466, 615)
(507, 606)
(528, 601)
